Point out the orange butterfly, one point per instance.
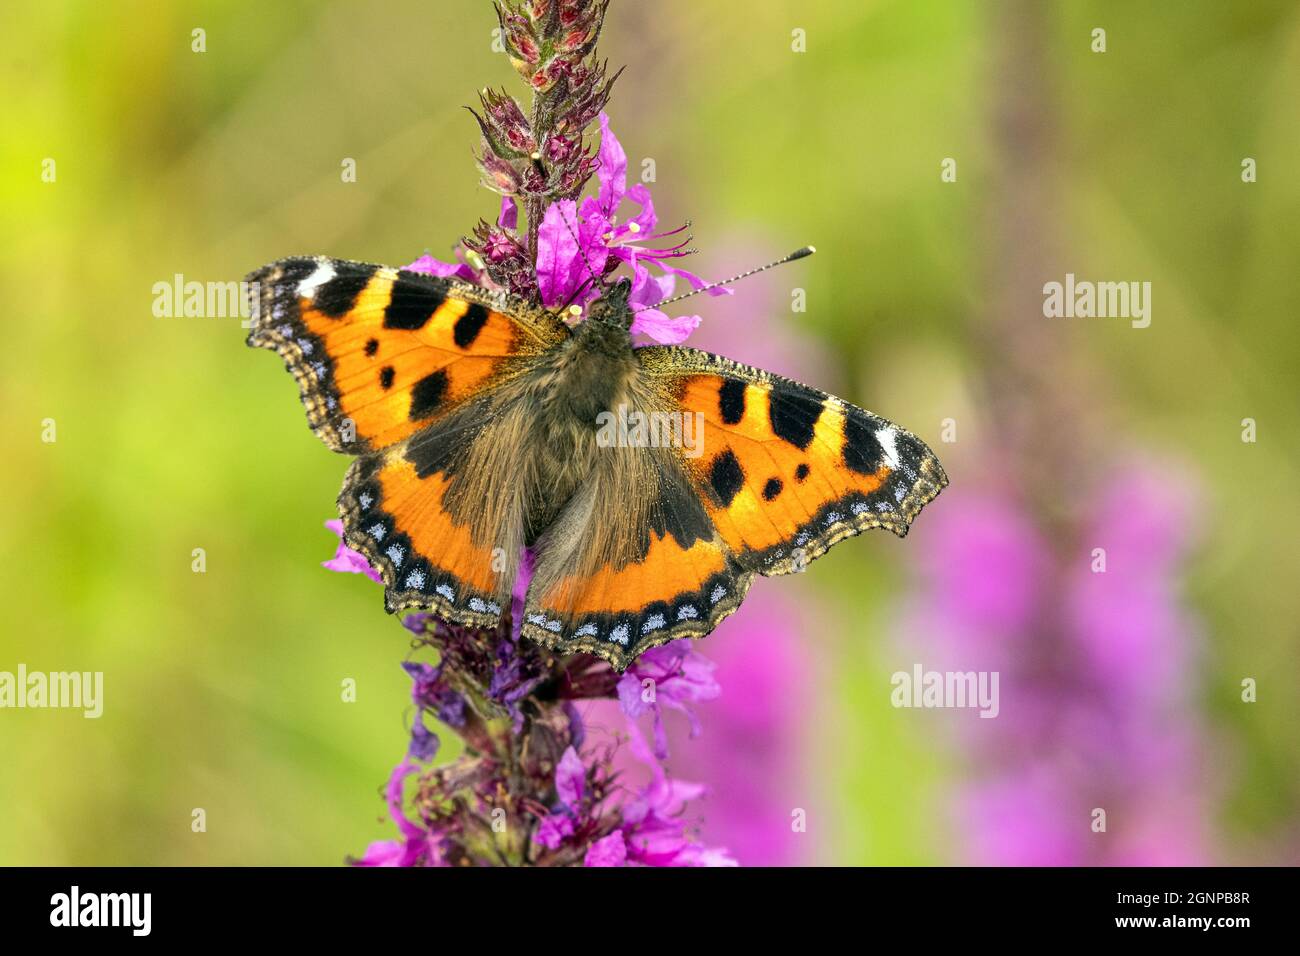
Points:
(651, 484)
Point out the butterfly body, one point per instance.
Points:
(481, 426)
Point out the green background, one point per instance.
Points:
(223, 688)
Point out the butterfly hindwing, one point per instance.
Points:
(787, 470)
(406, 528)
(673, 576)
(400, 368)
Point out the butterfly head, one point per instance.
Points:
(612, 307)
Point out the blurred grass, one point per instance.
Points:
(223, 688)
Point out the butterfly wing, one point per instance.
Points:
(401, 369)
(379, 352)
(632, 561)
(784, 472)
(788, 470)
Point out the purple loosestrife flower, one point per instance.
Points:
(672, 675)
(487, 672)
(1095, 674)
(430, 692)
(532, 786)
(654, 828)
(607, 851)
(417, 846)
(578, 241)
(752, 753)
(570, 786)
(504, 672)
(428, 265)
(346, 560)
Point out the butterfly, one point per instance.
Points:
(478, 423)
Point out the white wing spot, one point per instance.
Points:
(365, 500)
(446, 591)
(653, 623)
(377, 531)
(587, 630)
(396, 552)
(619, 635)
(415, 580)
(833, 517)
(687, 612)
(717, 594)
(308, 286)
(887, 438)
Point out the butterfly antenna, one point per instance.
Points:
(797, 254)
(576, 292)
(581, 251)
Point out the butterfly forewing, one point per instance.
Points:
(379, 352)
(788, 470)
(389, 362)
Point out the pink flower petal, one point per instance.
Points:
(570, 778)
(663, 328)
(607, 851)
(646, 220)
(554, 830)
(557, 253)
(611, 168)
(383, 853)
(436, 267)
(509, 217)
(346, 560)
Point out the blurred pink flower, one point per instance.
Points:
(1095, 674)
(654, 826)
(752, 751)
